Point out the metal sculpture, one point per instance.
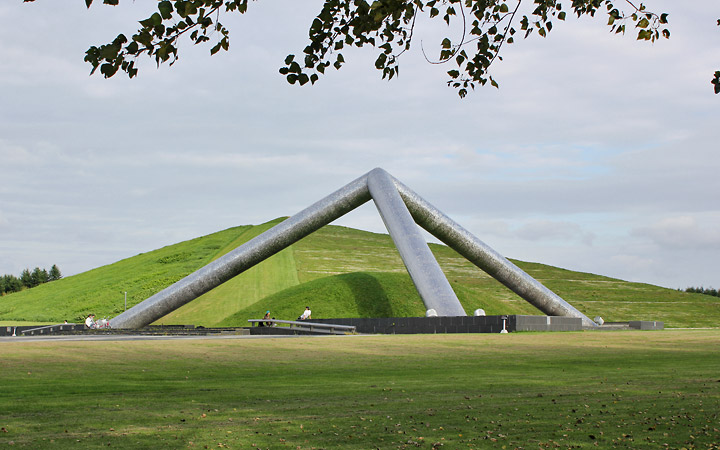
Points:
(398, 205)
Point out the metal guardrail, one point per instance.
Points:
(49, 329)
(311, 326)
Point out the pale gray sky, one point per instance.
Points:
(598, 153)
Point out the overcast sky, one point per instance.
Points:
(598, 153)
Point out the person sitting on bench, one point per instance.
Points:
(306, 314)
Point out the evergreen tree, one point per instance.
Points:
(39, 276)
(26, 278)
(702, 290)
(11, 284)
(54, 273)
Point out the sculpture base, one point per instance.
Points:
(462, 324)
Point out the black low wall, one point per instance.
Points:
(396, 325)
(467, 324)
(646, 325)
(544, 323)
(40, 330)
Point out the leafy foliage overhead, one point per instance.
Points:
(388, 25)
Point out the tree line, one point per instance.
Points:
(28, 279)
(702, 290)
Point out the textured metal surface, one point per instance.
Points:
(430, 281)
(247, 255)
(487, 259)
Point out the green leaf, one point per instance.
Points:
(380, 61)
(108, 70)
(504, 8)
(339, 60)
(166, 9)
(132, 48)
(446, 43)
(289, 59)
(151, 21)
(524, 23)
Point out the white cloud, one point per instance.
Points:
(682, 232)
(543, 230)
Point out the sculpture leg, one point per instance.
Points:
(247, 255)
(480, 254)
(431, 283)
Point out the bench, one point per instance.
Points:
(301, 325)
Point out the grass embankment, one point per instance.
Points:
(561, 390)
(270, 276)
(339, 272)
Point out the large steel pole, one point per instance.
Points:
(247, 255)
(487, 259)
(430, 281)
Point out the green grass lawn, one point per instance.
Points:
(634, 390)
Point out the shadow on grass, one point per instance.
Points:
(370, 297)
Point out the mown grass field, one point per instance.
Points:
(632, 390)
(339, 272)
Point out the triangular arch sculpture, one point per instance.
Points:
(401, 210)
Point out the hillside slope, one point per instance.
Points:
(101, 290)
(339, 272)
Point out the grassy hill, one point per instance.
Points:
(339, 272)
